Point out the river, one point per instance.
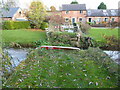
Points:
(17, 55)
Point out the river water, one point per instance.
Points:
(114, 55)
(17, 55)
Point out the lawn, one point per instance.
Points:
(22, 36)
(27, 36)
(65, 69)
(97, 33)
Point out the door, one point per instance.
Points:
(90, 19)
(73, 20)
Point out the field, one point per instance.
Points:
(22, 36)
(97, 33)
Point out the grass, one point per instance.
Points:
(28, 36)
(64, 69)
(97, 33)
(22, 36)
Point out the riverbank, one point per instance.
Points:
(65, 69)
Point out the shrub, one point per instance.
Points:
(69, 39)
(61, 37)
(7, 25)
(16, 25)
(44, 25)
(84, 27)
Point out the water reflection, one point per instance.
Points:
(17, 55)
(114, 55)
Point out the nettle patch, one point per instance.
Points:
(65, 69)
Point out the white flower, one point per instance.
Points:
(74, 80)
(85, 74)
(96, 83)
(90, 83)
(20, 80)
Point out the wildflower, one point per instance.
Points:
(85, 74)
(90, 83)
(96, 83)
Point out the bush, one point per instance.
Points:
(15, 25)
(61, 37)
(44, 25)
(84, 27)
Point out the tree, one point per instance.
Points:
(53, 9)
(102, 6)
(74, 2)
(36, 13)
(8, 4)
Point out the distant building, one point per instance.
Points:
(14, 14)
(98, 15)
(78, 13)
(74, 12)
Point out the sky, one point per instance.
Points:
(90, 4)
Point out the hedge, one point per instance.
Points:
(44, 25)
(9, 25)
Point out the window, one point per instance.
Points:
(20, 12)
(80, 19)
(67, 12)
(113, 19)
(99, 19)
(106, 19)
(81, 11)
(66, 19)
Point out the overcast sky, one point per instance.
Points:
(90, 4)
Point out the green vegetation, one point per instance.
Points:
(65, 69)
(102, 6)
(44, 25)
(97, 33)
(22, 36)
(15, 25)
(36, 13)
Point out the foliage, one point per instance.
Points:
(11, 3)
(53, 9)
(37, 13)
(69, 39)
(15, 25)
(102, 6)
(41, 42)
(107, 39)
(8, 4)
(7, 68)
(65, 69)
(74, 2)
(112, 41)
(84, 27)
(44, 25)
(56, 19)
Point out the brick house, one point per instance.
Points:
(74, 12)
(98, 15)
(15, 14)
(79, 13)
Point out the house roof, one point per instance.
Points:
(8, 13)
(73, 7)
(103, 13)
